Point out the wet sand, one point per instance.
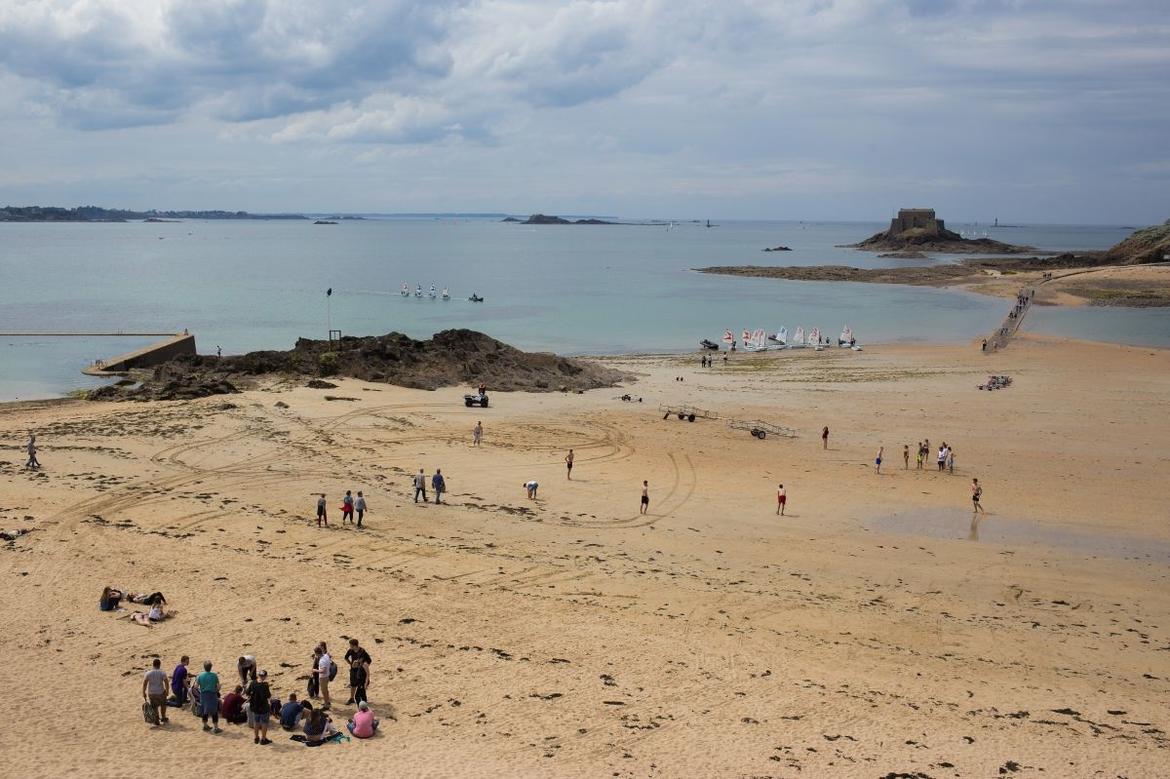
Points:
(574, 637)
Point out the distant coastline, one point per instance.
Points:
(98, 214)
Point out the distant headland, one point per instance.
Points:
(98, 214)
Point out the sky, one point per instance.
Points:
(1051, 111)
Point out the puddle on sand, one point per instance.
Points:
(958, 524)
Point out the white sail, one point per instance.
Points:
(846, 335)
(781, 336)
(798, 337)
(728, 337)
(814, 336)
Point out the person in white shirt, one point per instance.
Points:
(324, 666)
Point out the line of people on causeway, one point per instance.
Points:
(253, 702)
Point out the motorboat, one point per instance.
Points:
(709, 344)
(433, 293)
(418, 291)
(475, 298)
(405, 291)
(446, 295)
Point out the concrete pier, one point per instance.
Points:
(146, 357)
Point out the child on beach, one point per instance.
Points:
(645, 497)
(322, 517)
(347, 507)
(31, 448)
(976, 494)
(919, 458)
(951, 460)
(781, 499)
(878, 460)
(476, 433)
(825, 438)
(906, 457)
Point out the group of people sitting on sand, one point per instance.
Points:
(111, 600)
(252, 701)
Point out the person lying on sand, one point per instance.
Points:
(146, 599)
(156, 614)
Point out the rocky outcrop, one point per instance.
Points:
(918, 230)
(1150, 244)
(449, 358)
(543, 219)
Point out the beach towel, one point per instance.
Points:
(336, 738)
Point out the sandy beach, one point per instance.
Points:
(873, 631)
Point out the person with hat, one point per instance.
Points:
(363, 724)
(259, 707)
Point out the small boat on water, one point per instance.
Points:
(475, 298)
(706, 343)
(418, 291)
(433, 293)
(846, 339)
(446, 295)
(405, 291)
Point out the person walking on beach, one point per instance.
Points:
(878, 460)
(259, 708)
(439, 485)
(359, 505)
(31, 448)
(976, 494)
(420, 486)
(645, 497)
(322, 515)
(569, 465)
(825, 438)
(208, 684)
(477, 434)
(942, 456)
(347, 507)
(154, 691)
(781, 499)
(906, 457)
(951, 459)
(918, 459)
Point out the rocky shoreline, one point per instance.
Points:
(448, 358)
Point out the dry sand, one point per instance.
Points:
(872, 632)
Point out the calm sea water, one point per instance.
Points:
(571, 289)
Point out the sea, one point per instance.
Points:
(573, 289)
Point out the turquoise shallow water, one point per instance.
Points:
(583, 289)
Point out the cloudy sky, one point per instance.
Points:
(1042, 110)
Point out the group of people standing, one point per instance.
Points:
(945, 459)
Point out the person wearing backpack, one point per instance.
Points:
(326, 670)
(154, 694)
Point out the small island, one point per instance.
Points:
(919, 230)
(542, 219)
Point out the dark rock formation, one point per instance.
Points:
(778, 249)
(449, 358)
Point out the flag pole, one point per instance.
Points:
(329, 313)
